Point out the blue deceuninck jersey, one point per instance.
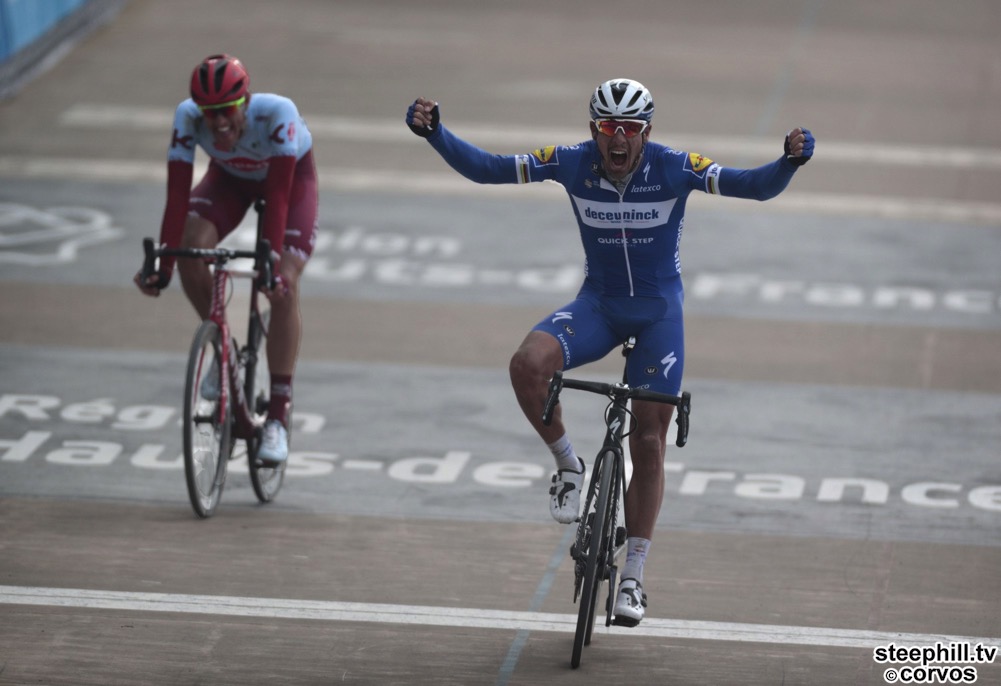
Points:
(631, 241)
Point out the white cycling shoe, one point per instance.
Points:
(274, 443)
(630, 603)
(564, 494)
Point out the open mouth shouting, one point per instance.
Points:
(618, 161)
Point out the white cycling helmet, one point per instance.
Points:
(622, 99)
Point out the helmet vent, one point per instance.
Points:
(220, 74)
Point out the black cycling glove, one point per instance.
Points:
(423, 131)
(807, 153)
(161, 281)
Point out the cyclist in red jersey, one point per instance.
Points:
(258, 147)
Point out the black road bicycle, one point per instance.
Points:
(599, 539)
(227, 387)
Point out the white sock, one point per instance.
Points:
(636, 550)
(566, 458)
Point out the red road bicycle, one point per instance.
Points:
(227, 387)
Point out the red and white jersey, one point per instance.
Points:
(274, 129)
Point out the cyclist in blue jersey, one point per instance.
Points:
(628, 195)
(258, 147)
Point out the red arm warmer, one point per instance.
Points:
(277, 188)
(179, 175)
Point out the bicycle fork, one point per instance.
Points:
(610, 457)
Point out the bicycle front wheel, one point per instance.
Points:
(594, 570)
(266, 479)
(207, 421)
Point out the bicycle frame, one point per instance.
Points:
(599, 539)
(615, 423)
(244, 424)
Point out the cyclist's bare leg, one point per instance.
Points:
(531, 368)
(647, 443)
(286, 319)
(196, 278)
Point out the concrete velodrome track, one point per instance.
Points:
(841, 490)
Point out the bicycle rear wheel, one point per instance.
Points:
(594, 571)
(207, 422)
(266, 479)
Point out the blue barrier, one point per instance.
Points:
(35, 33)
(24, 21)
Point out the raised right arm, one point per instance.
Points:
(467, 159)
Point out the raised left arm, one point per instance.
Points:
(767, 181)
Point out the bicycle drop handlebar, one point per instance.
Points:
(261, 256)
(620, 392)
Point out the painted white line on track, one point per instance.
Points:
(128, 118)
(442, 184)
(464, 618)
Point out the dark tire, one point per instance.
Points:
(594, 571)
(266, 479)
(207, 424)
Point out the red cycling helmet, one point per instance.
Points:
(219, 79)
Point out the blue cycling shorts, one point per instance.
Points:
(591, 327)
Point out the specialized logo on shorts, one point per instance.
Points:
(557, 316)
(546, 155)
(697, 164)
(669, 362)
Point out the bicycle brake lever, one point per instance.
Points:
(553, 399)
(684, 410)
(149, 259)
